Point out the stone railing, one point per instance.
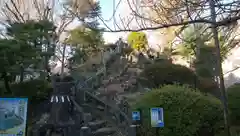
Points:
(85, 91)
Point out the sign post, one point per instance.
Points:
(157, 120)
(136, 118)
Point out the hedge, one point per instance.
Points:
(233, 103)
(35, 90)
(187, 112)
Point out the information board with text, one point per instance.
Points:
(13, 116)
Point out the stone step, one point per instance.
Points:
(90, 107)
(106, 81)
(101, 108)
(104, 131)
(87, 117)
(101, 89)
(94, 125)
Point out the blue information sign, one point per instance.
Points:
(136, 116)
(13, 116)
(157, 117)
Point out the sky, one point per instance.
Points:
(124, 11)
(107, 7)
(107, 12)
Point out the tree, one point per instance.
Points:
(180, 13)
(86, 11)
(37, 35)
(8, 60)
(86, 41)
(86, 38)
(24, 49)
(81, 8)
(204, 61)
(23, 11)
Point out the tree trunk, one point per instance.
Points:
(21, 73)
(63, 63)
(219, 72)
(198, 43)
(6, 82)
(47, 68)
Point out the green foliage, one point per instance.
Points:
(186, 112)
(86, 42)
(85, 37)
(35, 90)
(159, 74)
(9, 50)
(233, 103)
(164, 72)
(23, 49)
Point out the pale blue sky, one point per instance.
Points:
(107, 8)
(107, 12)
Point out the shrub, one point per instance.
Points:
(186, 112)
(159, 74)
(233, 103)
(35, 90)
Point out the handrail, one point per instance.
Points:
(109, 106)
(99, 72)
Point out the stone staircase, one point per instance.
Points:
(94, 113)
(116, 85)
(101, 117)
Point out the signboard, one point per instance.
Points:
(157, 117)
(13, 116)
(136, 116)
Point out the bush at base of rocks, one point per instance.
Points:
(159, 74)
(165, 73)
(186, 112)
